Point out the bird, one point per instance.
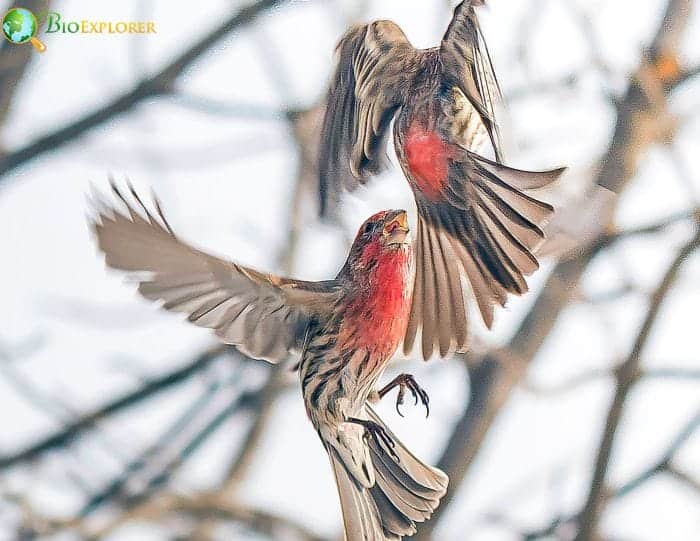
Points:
(345, 330)
(478, 219)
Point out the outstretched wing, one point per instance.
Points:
(266, 316)
(485, 225)
(466, 64)
(375, 65)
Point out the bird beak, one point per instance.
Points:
(396, 230)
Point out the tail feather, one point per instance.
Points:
(410, 470)
(406, 491)
(395, 521)
(411, 493)
(360, 514)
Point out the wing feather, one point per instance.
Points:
(487, 228)
(466, 64)
(375, 64)
(265, 315)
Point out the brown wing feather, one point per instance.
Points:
(375, 63)
(466, 64)
(264, 315)
(487, 228)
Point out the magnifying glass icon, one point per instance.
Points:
(19, 25)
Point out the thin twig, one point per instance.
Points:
(627, 375)
(664, 462)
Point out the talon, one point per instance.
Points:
(378, 434)
(403, 381)
(399, 401)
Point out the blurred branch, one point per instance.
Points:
(75, 428)
(580, 380)
(570, 384)
(589, 34)
(264, 522)
(147, 503)
(643, 118)
(205, 506)
(115, 489)
(671, 373)
(161, 83)
(305, 127)
(687, 74)
(538, 88)
(626, 375)
(669, 34)
(657, 227)
(664, 463)
(246, 111)
(240, 402)
(200, 506)
(492, 381)
(262, 411)
(684, 477)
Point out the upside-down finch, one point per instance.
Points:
(475, 216)
(345, 329)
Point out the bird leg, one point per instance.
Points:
(378, 434)
(403, 382)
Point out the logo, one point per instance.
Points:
(56, 24)
(19, 26)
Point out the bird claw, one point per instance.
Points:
(379, 434)
(399, 399)
(403, 382)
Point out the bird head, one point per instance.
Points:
(383, 234)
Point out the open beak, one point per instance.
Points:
(396, 230)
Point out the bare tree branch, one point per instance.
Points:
(158, 84)
(77, 427)
(684, 477)
(627, 375)
(492, 383)
(664, 462)
(657, 227)
(263, 409)
(580, 380)
(264, 522)
(116, 488)
(663, 465)
(200, 506)
(242, 401)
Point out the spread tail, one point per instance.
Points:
(406, 491)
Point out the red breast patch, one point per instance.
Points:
(427, 155)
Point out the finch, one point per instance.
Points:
(476, 217)
(345, 330)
